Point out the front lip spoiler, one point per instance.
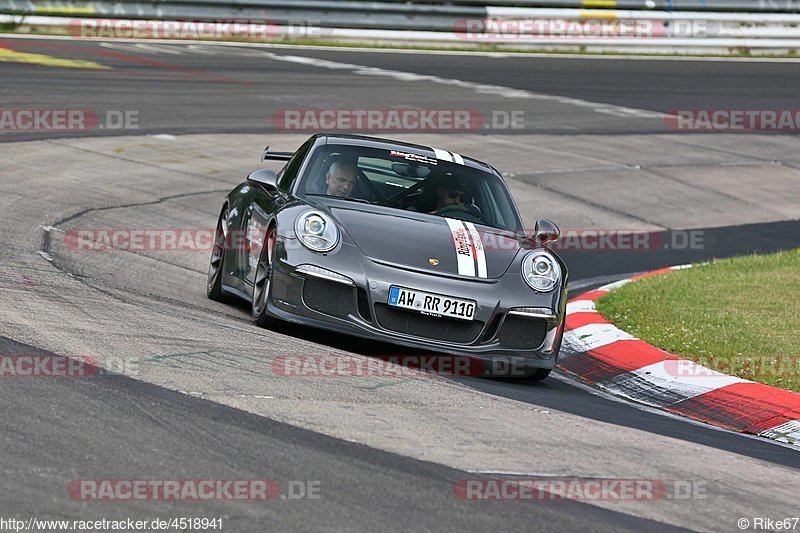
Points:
(536, 358)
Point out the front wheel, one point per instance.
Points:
(216, 266)
(263, 281)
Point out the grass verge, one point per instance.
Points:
(739, 316)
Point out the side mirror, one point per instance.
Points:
(265, 177)
(546, 231)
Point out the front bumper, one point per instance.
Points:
(512, 322)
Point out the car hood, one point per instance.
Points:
(435, 244)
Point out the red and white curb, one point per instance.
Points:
(602, 355)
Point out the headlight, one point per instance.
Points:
(316, 231)
(541, 271)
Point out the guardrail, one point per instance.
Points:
(389, 13)
(468, 24)
(326, 13)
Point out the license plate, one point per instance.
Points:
(431, 304)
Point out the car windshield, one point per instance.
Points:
(411, 182)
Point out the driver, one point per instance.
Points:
(341, 178)
(452, 192)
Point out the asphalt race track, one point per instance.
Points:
(152, 79)
(200, 398)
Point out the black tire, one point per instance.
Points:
(216, 265)
(263, 282)
(539, 374)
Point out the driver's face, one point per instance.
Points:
(451, 197)
(341, 181)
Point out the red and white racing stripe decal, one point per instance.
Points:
(443, 155)
(469, 248)
(464, 250)
(480, 253)
(452, 157)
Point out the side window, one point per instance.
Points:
(288, 174)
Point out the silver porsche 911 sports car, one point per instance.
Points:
(395, 242)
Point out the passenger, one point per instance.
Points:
(452, 192)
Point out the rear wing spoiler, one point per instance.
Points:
(276, 156)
